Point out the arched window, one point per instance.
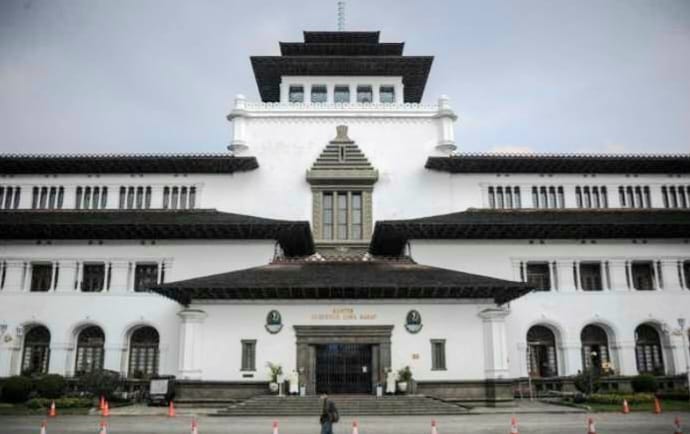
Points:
(143, 352)
(541, 352)
(36, 351)
(648, 350)
(90, 350)
(595, 347)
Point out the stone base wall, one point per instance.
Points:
(218, 391)
(493, 393)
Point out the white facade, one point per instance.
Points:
(397, 138)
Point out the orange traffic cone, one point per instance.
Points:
(103, 426)
(433, 427)
(676, 426)
(275, 427)
(590, 426)
(514, 426)
(657, 406)
(44, 425)
(355, 428)
(52, 412)
(626, 408)
(171, 409)
(106, 409)
(195, 427)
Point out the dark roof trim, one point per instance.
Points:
(378, 280)
(554, 163)
(414, 70)
(20, 164)
(294, 236)
(341, 37)
(391, 236)
(334, 49)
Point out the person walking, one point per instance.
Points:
(329, 415)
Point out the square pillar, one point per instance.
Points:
(67, 276)
(112, 360)
(191, 343)
(670, 275)
(566, 281)
(14, 276)
(618, 275)
(572, 358)
(60, 353)
(119, 276)
(627, 362)
(495, 344)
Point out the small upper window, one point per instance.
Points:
(342, 94)
(364, 94)
(642, 276)
(538, 276)
(296, 94)
(387, 94)
(319, 94)
(590, 277)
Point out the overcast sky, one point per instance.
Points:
(160, 76)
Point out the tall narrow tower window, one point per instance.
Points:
(364, 94)
(296, 94)
(319, 94)
(342, 94)
(387, 94)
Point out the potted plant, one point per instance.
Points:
(275, 371)
(404, 378)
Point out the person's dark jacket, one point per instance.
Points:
(328, 412)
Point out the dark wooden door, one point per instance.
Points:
(343, 368)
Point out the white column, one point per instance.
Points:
(330, 93)
(495, 344)
(400, 94)
(655, 275)
(191, 343)
(676, 348)
(522, 362)
(353, 93)
(307, 93)
(376, 93)
(113, 357)
(572, 358)
(576, 277)
(565, 276)
(53, 282)
(617, 273)
(238, 118)
(627, 362)
(60, 358)
(670, 275)
(447, 118)
(67, 276)
(119, 274)
(26, 277)
(14, 276)
(284, 88)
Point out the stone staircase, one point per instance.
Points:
(348, 405)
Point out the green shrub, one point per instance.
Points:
(16, 389)
(674, 395)
(101, 383)
(60, 403)
(644, 384)
(51, 386)
(617, 398)
(587, 381)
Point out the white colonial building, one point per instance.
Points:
(343, 236)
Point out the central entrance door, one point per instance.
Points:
(343, 368)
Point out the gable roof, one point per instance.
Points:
(342, 161)
(563, 163)
(390, 236)
(379, 279)
(26, 164)
(294, 236)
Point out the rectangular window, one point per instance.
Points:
(538, 276)
(192, 197)
(319, 94)
(357, 216)
(387, 94)
(492, 198)
(364, 94)
(41, 276)
(145, 276)
(342, 94)
(590, 277)
(296, 94)
(327, 216)
(438, 354)
(342, 216)
(248, 355)
(93, 278)
(123, 196)
(686, 273)
(642, 274)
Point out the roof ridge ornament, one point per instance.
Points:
(341, 135)
(341, 16)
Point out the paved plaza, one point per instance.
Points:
(640, 423)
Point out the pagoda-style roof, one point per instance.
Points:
(341, 54)
(390, 236)
(378, 279)
(23, 164)
(294, 236)
(554, 163)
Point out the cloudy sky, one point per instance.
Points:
(160, 75)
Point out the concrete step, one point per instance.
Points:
(348, 405)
